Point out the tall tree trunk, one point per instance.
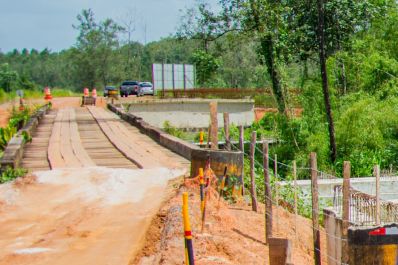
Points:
(325, 86)
(343, 78)
(267, 51)
(304, 76)
(267, 47)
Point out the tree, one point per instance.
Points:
(129, 25)
(95, 45)
(7, 76)
(325, 83)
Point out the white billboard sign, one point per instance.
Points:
(173, 76)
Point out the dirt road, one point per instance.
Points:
(80, 212)
(79, 216)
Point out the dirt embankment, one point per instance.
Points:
(234, 234)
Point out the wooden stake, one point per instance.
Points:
(242, 148)
(208, 137)
(276, 190)
(214, 125)
(252, 176)
(226, 131)
(295, 195)
(377, 171)
(241, 138)
(315, 209)
(346, 211)
(267, 193)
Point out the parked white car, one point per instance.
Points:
(145, 88)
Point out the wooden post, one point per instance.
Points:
(280, 250)
(315, 209)
(267, 193)
(276, 190)
(208, 137)
(252, 175)
(241, 138)
(276, 179)
(295, 195)
(242, 148)
(377, 171)
(226, 131)
(346, 212)
(214, 125)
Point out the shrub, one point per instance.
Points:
(9, 174)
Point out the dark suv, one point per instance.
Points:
(129, 88)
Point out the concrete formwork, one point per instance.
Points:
(219, 159)
(363, 247)
(192, 113)
(367, 246)
(334, 233)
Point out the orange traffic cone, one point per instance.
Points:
(47, 93)
(21, 104)
(85, 92)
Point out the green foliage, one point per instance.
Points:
(3, 96)
(27, 138)
(206, 66)
(172, 130)
(16, 121)
(93, 55)
(5, 136)
(19, 118)
(7, 76)
(9, 174)
(231, 183)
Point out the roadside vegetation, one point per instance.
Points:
(17, 120)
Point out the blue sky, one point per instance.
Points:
(43, 24)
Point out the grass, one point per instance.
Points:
(36, 94)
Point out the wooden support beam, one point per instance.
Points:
(346, 212)
(226, 131)
(241, 138)
(377, 171)
(267, 193)
(315, 209)
(295, 195)
(252, 174)
(280, 250)
(213, 125)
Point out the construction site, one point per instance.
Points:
(105, 185)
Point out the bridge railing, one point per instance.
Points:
(363, 207)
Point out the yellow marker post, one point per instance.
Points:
(201, 137)
(189, 258)
(202, 187)
(222, 185)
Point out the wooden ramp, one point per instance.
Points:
(65, 148)
(138, 147)
(97, 145)
(35, 153)
(93, 136)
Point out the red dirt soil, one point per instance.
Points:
(259, 113)
(234, 235)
